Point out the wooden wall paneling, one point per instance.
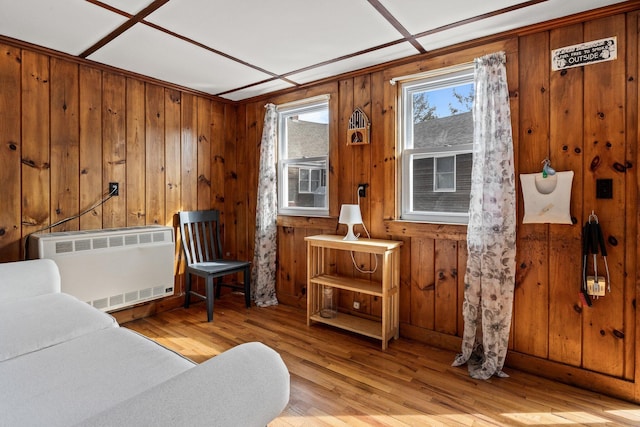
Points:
(216, 142)
(446, 286)
(299, 265)
(10, 153)
(631, 185)
(406, 282)
(155, 155)
(188, 166)
(423, 283)
(205, 198)
(136, 153)
(172, 134)
(189, 152)
(205, 194)
(35, 171)
(531, 298)
(565, 241)
(375, 192)
(219, 179)
(64, 143)
(114, 148)
(90, 146)
(604, 116)
(285, 275)
(234, 199)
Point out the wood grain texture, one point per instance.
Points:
(64, 143)
(90, 146)
(340, 378)
(35, 171)
(136, 153)
(10, 152)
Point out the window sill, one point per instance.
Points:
(427, 230)
(323, 222)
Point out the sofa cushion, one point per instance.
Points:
(26, 279)
(247, 385)
(31, 324)
(69, 382)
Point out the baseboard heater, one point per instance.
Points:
(111, 268)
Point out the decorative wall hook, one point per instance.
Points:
(547, 170)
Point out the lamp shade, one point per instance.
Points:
(350, 215)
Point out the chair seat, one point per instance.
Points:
(219, 266)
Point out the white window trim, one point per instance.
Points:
(299, 106)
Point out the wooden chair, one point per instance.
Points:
(202, 247)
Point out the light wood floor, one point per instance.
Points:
(342, 379)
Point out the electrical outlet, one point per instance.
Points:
(356, 305)
(114, 188)
(362, 190)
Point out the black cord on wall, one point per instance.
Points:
(106, 196)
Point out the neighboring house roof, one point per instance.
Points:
(444, 131)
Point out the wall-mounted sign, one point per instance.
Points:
(584, 54)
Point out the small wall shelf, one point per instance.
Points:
(320, 274)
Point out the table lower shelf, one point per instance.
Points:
(366, 327)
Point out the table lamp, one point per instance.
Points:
(350, 215)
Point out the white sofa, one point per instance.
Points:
(64, 363)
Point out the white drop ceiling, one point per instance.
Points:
(245, 48)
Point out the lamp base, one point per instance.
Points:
(350, 235)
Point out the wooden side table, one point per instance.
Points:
(320, 274)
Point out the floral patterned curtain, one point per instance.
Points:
(263, 273)
(491, 234)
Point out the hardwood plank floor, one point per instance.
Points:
(343, 379)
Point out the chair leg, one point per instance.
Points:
(247, 287)
(187, 290)
(210, 298)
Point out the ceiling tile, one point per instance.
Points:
(401, 50)
(147, 51)
(278, 36)
(66, 26)
(418, 16)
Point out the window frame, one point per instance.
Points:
(310, 170)
(433, 80)
(284, 162)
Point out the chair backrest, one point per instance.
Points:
(200, 235)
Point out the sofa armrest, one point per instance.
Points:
(247, 386)
(23, 279)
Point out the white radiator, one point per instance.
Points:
(111, 268)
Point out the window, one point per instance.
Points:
(436, 134)
(310, 180)
(303, 158)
